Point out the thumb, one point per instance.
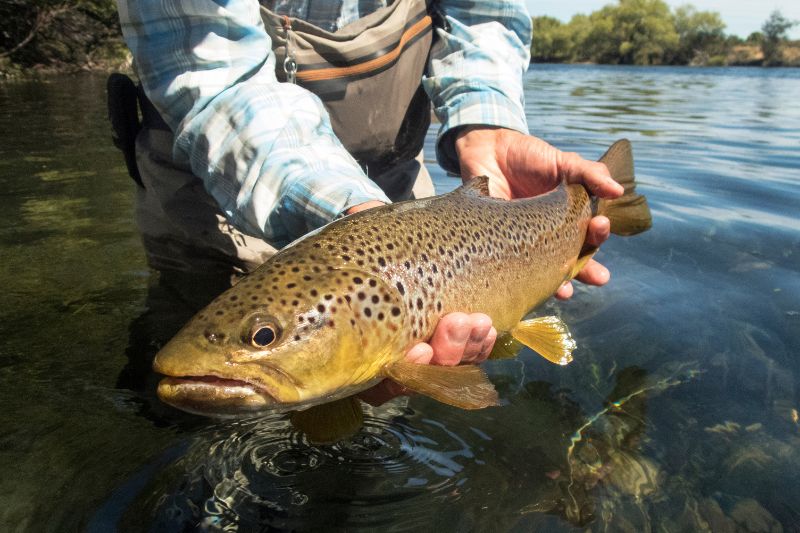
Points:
(591, 174)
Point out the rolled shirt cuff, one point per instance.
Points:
(474, 108)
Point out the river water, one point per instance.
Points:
(680, 412)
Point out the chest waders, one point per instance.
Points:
(367, 74)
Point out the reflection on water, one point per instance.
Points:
(680, 412)
(406, 471)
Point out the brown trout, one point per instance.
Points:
(335, 312)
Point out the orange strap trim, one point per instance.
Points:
(372, 64)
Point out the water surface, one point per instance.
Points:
(680, 412)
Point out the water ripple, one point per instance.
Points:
(266, 473)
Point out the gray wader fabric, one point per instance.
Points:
(368, 75)
(183, 228)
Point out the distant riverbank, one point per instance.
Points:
(737, 56)
(38, 38)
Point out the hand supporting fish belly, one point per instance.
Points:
(335, 312)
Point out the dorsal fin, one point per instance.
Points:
(477, 185)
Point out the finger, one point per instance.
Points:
(598, 231)
(564, 291)
(594, 274)
(449, 339)
(592, 174)
(481, 325)
(420, 354)
(488, 345)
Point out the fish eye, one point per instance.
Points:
(263, 336)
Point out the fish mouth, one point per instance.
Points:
(212, 395)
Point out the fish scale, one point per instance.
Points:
(336, 311)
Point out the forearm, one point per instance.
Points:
(265, 150)
(476, 69)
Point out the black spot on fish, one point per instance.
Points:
(401, 288)
(367, 312)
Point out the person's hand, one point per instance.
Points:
(520, 166)
(458, 338)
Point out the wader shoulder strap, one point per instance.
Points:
(368, 74)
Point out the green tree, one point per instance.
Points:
(774, 30)
(755, 38)
(701, 36)
(632, 32)
(547, 45)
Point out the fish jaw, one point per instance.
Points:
(214, 396)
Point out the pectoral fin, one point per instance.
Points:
(464, 386)
(330, 422)
(548, 336)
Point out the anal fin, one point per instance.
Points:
(505, 347)
(548, 336)
(582, 260)
(464, 386)
(330, 422)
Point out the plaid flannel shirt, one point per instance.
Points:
(266, 150)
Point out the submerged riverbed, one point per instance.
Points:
(679, 413)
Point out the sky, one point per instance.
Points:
(741, 16)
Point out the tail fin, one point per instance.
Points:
(629, 214)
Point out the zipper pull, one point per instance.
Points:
(289, 63)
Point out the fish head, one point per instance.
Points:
(276, 342)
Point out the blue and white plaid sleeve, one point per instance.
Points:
(265, 150)
(476, 69)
